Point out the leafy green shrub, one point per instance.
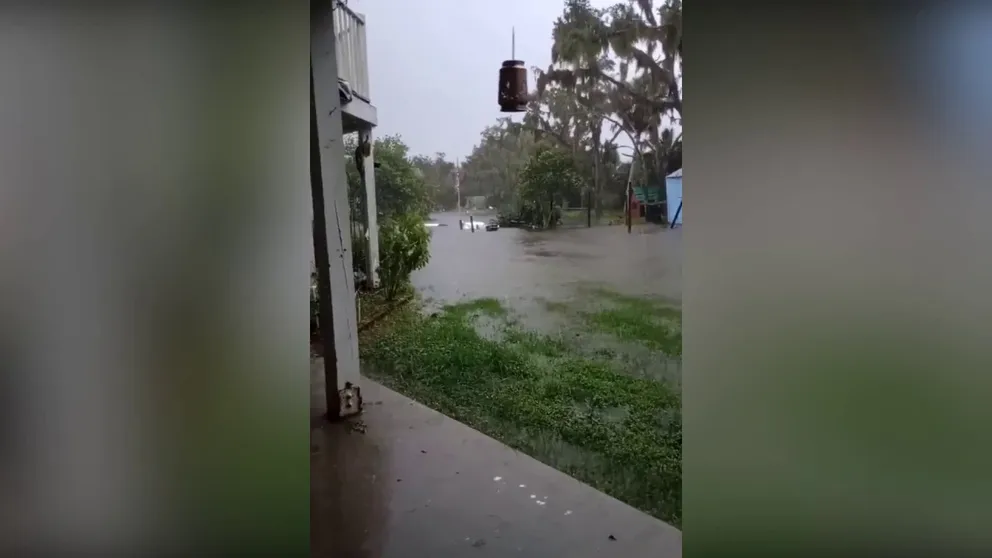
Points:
(404, 247)
(359, 249)
(549, 177)
(399, 185)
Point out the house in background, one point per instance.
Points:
(475, 203)
(648, 203)
(673, 188)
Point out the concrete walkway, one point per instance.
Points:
(407, 481)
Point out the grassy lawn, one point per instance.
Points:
(373, 305)
(653, 322)
(547, 395)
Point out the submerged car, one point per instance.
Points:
(492, 225)
(470, 225)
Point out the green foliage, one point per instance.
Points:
(546, 180)
(359, 249)
(616, 68)
(404, 247)
(439, 176)
(399, 186)
(400, 189)
(493, 168)
(652, 322)
(602, 424)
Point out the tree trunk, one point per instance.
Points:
(597, 182)
(551, 212)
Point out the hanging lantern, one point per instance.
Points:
(513, 81)
(513, 86)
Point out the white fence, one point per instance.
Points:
(353, 61)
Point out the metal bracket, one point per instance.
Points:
(351, 400)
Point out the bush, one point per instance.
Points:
(547, 180)
(359, 249)
(399, 185)
(404, 247)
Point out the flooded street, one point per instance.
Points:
(527, 270)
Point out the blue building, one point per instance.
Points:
(673, 191)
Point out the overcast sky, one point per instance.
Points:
(434, 64)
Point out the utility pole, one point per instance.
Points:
(588, 207)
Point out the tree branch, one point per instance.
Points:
(661, 74)
(545, 128)
(621, 127)
(662, 105)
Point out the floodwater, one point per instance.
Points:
(406, 477)
(538, 274)
(525, 269)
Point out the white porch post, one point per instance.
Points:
(371, 214)
(330, 191)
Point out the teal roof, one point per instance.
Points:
(650, 194)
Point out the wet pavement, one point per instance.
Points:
(408, 481)
(526, 269)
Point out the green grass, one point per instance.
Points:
(619, 433)
(651, 322)
(480, 306)
(371, 304)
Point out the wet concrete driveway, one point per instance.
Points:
(408, 481)
(519, 267)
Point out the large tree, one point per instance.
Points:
(493, 168)
(439, 175)
(575, 114)
(642, 35)
(622, 65)
(547, 180)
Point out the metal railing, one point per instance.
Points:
(353, 61)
